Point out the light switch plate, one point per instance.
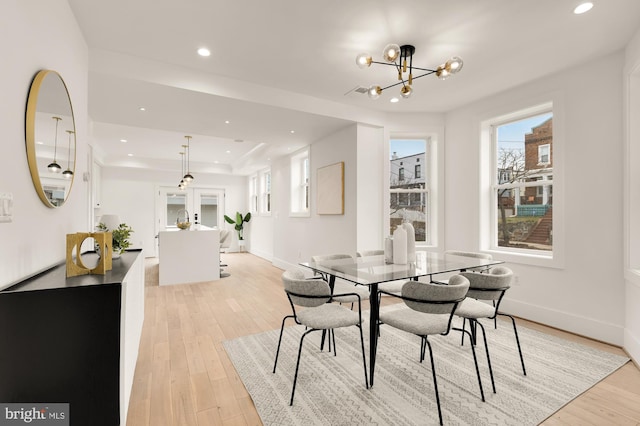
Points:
(6, 207)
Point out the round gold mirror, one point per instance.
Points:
(51, 138)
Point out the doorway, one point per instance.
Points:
(205, 206)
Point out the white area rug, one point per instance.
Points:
(331, 390)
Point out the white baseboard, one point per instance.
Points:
(583, 326)
(284, 265)
(262, 254)
(632, 346)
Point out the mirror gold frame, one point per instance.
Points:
(48, 107)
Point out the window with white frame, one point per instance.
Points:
(253, 193)
(265, 192)
(522, 183)
(300, 183)
(544, 154)
(409, 192)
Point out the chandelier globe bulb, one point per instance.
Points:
(391, 52)
(374, 92)
(406, 91)
(363, 60)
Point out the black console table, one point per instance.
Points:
(74, 340)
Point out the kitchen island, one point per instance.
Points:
(189, 256)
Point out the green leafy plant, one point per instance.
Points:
(120, 236)
(239, 223)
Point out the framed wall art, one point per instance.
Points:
(331, 189)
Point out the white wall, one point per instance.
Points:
(586, 295)
(372, 183)
(259, 232)
(296, 239)
(631, 87)
(131, 194)
(36, 35)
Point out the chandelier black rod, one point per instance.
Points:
(403, 81)
(396, 65)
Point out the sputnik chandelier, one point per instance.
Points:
(398, 56)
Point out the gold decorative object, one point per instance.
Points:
(183, 225)
(75, 266)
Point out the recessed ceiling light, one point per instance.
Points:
(123, 140)
(293, 131)
(203, 51)
(583, 7)
(226, 122)
(394, 100)
(216, 162)
(142, 109)
(129, 155)
(228, 152)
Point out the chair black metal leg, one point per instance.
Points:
(364, 359)
(295, 377)
(280, 341)
(475, 361)
(433, 371)
(464, 323)
(515, 331)
(495, 317)
(332, 335)
(486, 348)
(423, 348)
(322, 339)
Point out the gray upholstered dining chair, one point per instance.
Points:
(475, 254)
(390, 286)
(341, 286)
(443, 279)
(429, 311)
(317, 314)
(486, 287)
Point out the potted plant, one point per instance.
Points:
(120, 236)
(239, 224)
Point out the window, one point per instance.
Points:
(265, 192)
(544, 154)
(175, 201)
(253, 194)
(522, 184)
(409, 194)
(208, 207)
(300, 183)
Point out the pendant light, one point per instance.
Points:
(188, 177)
(55, 167)
(68, 173)
(182, 184)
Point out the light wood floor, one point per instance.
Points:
(184, 377)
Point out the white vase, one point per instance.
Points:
(400, 246)
(411, 242)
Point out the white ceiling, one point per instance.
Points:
(283, 65)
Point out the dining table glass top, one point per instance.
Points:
(373, 269)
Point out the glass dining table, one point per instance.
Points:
(373, 270)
